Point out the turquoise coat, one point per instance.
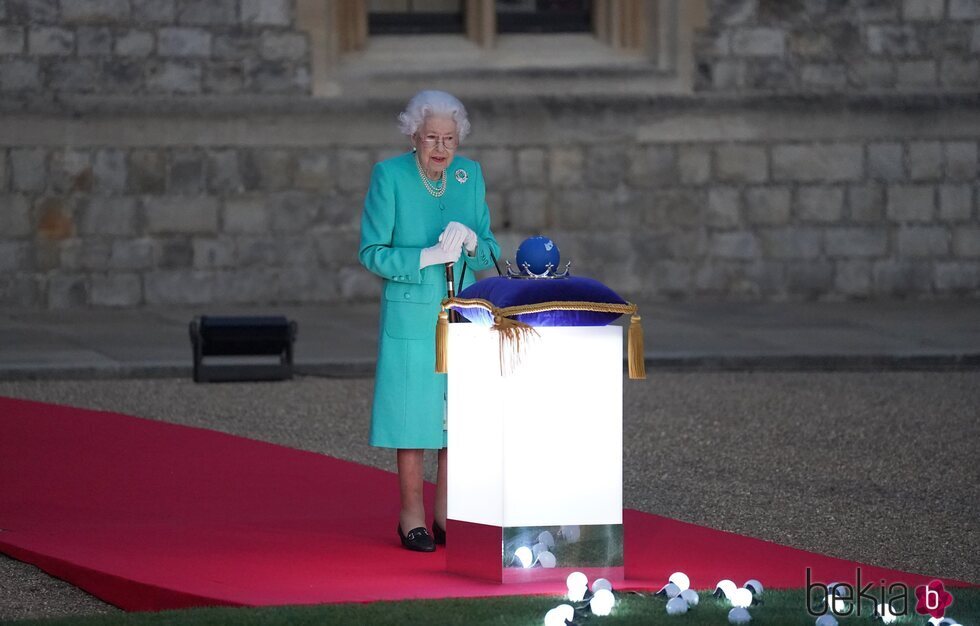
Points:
(401, 218)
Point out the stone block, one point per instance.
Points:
(211, 253)
(735, 245)
(18, 75)
(187, 173)
(131, 254)
(334, 248)
(818, 162)
(277, 46)
(245, 215)
(276, 77)
(183, 42)
(50, 41)
(354, 283)
(206, 12)
(315, 171)
(95, 11)
(28, 169)
(966, 242)
(856, 242)
(608, 167)
(340, 210)
(354, 169)
(190, 215)
(810, 279)
(724, 207)
(866, 202)
(567, 166)
(870, 72)
(923, 10)
(292, 211)
(223, 174)
(269, 170)
(759, 42)
(74, 75)
(134, 43)
(819, 204)
(961, 159)
(957, 277)
(71, 171)
(154, 11)
(259, 285)
(109, 171)
(31, 11)
(893, 40)
(729, 74)
(55, 219)
(918, 74)
(532, 167)
(94, 41)
(67, 291)
(653, 166)
(147, 171)
(895, 277)
(926, 160)
(575, 209)
(173, 253)
(256, 250)
(224, 77)
(497, 165)
(832, 76)
(713, 278)
(13, 256)
(234, 46)
(693, 165)
(741, 163)
(528, 210)
(767, 205)
(122, 75)
(15, 216)
(668, 209)
(923, 241)
(178, 287)
(116, 290)
(11, 40)
(113, 215)
(955, 202)
(266, 12)
(791, 243)
(174, 77)
(911, 203)
(975, 40)
(3, 170)
(297, 251)
(853, 278)
(886, 161)
(964, 9)
(673, 278)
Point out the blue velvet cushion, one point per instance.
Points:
(504, 292)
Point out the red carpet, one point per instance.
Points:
(148, 515)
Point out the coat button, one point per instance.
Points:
(407, 295)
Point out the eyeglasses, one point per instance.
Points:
(431, 141)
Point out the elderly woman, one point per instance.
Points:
(424, 209)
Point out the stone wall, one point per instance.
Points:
(50, 48)
(825, 46)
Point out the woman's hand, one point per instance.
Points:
(436, 255)
(456, 235)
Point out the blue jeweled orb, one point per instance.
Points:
(538, 252)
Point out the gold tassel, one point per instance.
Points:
(511, 335)
(442, 341)
(634, 349)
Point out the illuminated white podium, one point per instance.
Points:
(535, 455)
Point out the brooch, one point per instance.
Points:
(461, 176)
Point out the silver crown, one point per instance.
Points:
(547, 273)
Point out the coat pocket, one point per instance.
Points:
(409, 310)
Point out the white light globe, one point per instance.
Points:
(601, 583)
(554, 618)
(525, 556)
(739, 615)
(576, 579)
(571, 533)
(670, 590)
(547, 559)
(691, 597)
(754, 586)
(577, 594)
(727, 587)
(676, 606)
(538, 548)
(826, 620)
(741, 597)
(681, 580)
(885, 612)
(602, 602)
(566, 611)
(547, 539)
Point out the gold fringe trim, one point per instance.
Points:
(514, 334)
(635, 358)
(442, 342)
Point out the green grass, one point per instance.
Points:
(781, 608)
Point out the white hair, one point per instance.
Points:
(432, 102)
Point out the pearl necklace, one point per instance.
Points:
(433, 191)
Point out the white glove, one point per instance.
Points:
(459, 232)
(436, 255)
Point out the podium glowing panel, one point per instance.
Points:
(540, 447)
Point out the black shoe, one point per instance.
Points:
(438, 534)
(418, 539)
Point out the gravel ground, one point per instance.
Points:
(875, 467)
